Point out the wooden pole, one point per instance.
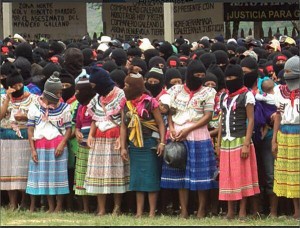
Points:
(169, 22)
(7, 19)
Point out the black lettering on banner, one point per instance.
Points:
(40, 15)
(261, 11)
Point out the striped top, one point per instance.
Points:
(60, 117)
(190, 106)
(14, 107)
(112, 104)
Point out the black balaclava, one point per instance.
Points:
(216, 70)
(185, 49)
(6, 69)
(158, 62)
(156, 73)
(210, 77)
(278, 67)
(166, 49)
(120, 56)
(100, 77)
(84, 91)
(173, 62)
(118, 76)
(24, 66)
(88, 56)
(73, 61)
(234, 70)
(149, 53)
(12, 79)
(222, 59)
(207, 59)
(67, 93)
(171, 73)
(109, 66)
(24, 50)
(192, 82)
(137, 61)
(251, 77)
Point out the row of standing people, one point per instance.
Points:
(127, 127)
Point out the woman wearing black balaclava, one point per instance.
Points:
(104, 141)
(236, 151)
(155, 82)
(194, 106)
(250, 69)
(14, 138)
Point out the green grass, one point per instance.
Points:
(25, 218)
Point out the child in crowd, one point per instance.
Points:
(238, 169)
(84, 94)
(49, 128)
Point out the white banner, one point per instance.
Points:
(191, 20)
(49, 20)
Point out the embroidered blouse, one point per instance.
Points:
(106, 111)
(190, 107)
(288, 104)
(58, 118)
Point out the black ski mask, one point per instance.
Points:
(250, 78)
(18, 93)
(234, 85)
(67, 92)
(155, 89)
(192, 82)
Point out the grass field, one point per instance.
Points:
(25, 218)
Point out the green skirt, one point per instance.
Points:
(145, 167)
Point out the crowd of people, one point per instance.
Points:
(92, 118)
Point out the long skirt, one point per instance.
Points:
(106, 171)
(238, 176)
(82, 156)
(287, 164)
(49, 176)
(145, 167)
(200, 165)
(14, 158)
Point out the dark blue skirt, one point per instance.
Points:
(200, 168)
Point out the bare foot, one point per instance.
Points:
(201, 214)
(32, 209)
(50, 211)
(138, 216)
(116, 211)
(296, 216)
(184, 215)
(58, 210)
(151, 215)
(101, 213)
(229, 216)
(13, 207)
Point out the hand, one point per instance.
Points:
(9, 91)
(20, 117)
(34, 156)
(160, 150)
(90, 142)
(172, 134)
(245, 151)
(117, 144)
(79, 135)
(124, 154)
(59, 149)
(182, 135)
(274, 149)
